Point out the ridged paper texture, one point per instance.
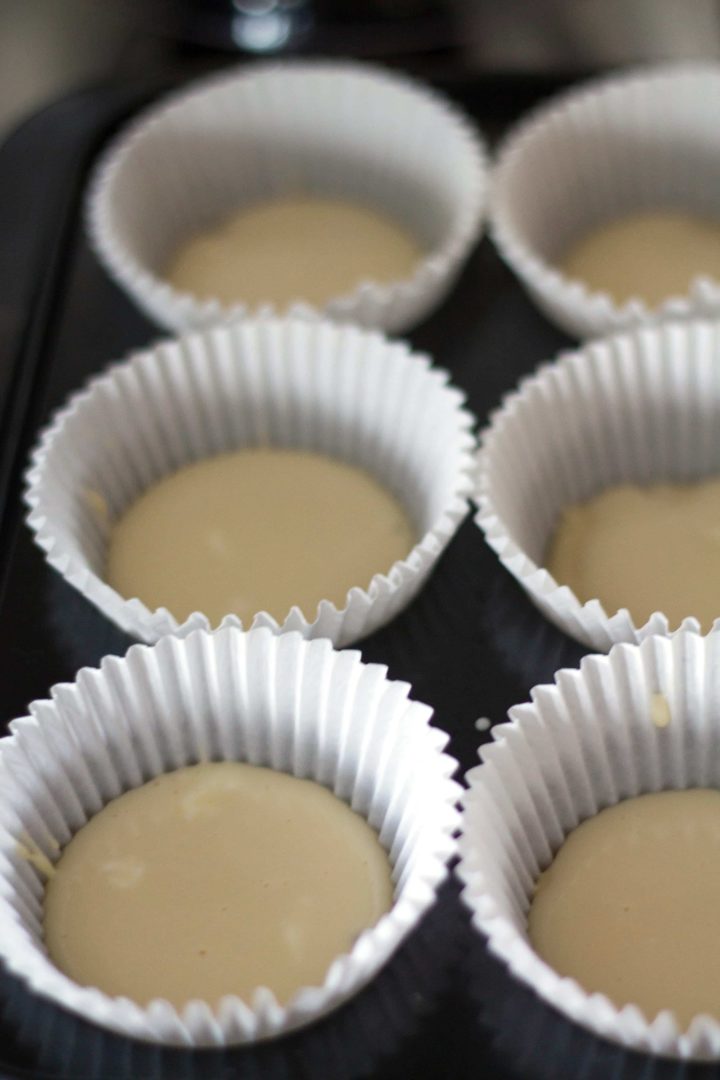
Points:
(640, 408)
(276, 701)
(292, 383)
(347, 130)
(582, 744)
(642, 140)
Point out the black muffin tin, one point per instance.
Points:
(471, 644)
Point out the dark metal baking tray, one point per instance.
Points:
(471, 644)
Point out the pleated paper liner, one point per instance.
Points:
(335, 129)
(639, 140)
(384, 1020)
(277, 701)
(339, 391)
(530, 1040)
(541, 777)
(638, 408)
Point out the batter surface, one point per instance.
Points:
(257, 530)
(215, 879)
(647, 549)
(629, 907)
(650, 256)
(298, 248)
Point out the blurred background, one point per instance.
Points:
(50, 47)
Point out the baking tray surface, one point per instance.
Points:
(471, 644)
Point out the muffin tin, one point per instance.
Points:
(471, 644)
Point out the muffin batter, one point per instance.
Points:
(647, 549)
(650, 256)
(629, 907)
(257, 530)
(215, 879)
(297, 248)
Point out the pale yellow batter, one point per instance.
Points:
(647, 549)
(650, 256)
(212, 880)
(298, 248)
(629, 907)
(257, 530)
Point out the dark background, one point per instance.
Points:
(50, 46)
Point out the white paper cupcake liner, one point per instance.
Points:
(585, 743)
(641, 140)
(269, 700)
(350, 1043)
(341, 130)
(313, 385)
(642, 408)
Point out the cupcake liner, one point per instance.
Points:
(379, 1022)
(269, 700)
(551, 1044)
(582, 744)
(636, 408)
(640, 140)
(313, 385)
(341, 130)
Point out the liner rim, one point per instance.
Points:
(184, 310)
(402, 573)
(556, 600)
(308, 1004)
(627, 1025)
(587, 312)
